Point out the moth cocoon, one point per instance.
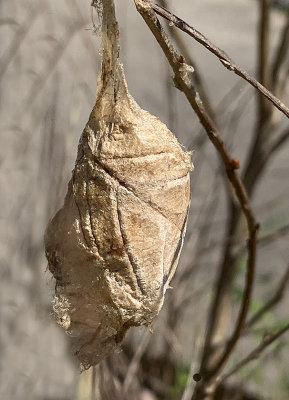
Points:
(114, 245)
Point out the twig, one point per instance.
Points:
(263, 59)
(230, 96)
(222, 56)
(263, 239)
(50, 67)
(189, 390)
(135, 362)
(191, 383)
(269, 237)
(192, 298)
(183, 82)
(281, 53)
(198, 80)
(255, 354)
(256, 161)
(208, 208)
(17, 41)
(284, 136)
(93, 384)
(275, 299)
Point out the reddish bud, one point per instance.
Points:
(235, 163)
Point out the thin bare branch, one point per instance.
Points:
(17, 41)
(280, 56)
(282, 139)
(222, 56)
(50, 67)
(254, 354)
(275, 299)
(263, 239)
(135, 362)
(93, 384)
(264, 73)
(271, 236)
(183, 82)
(198, 80)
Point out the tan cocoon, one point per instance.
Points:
(114, 245)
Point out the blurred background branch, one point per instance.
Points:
(48, 68)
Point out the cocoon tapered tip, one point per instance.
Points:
(114, 245)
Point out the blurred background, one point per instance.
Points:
(48, 69)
